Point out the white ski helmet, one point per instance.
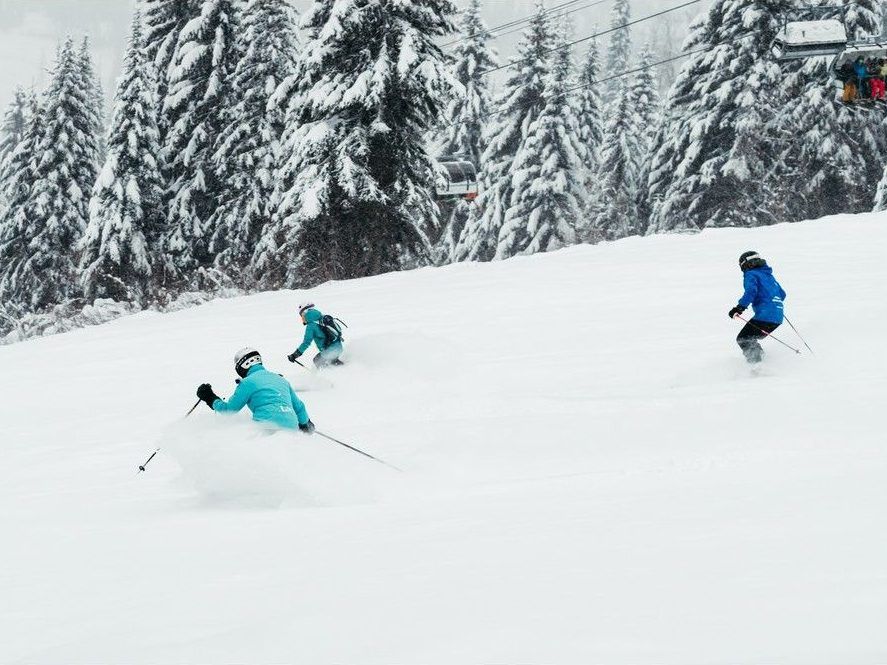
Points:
(304, 306)
(244, 359)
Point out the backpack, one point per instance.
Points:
(332, 331)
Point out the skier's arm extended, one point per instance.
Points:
(298, 407)
(751, 290)
(237, 401)
(309, 337)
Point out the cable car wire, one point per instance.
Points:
(565, 13)
(517, 22)
(596, 82)
(522, 61)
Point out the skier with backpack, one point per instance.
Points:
(324, 331)
(269, 396)
(766, 297)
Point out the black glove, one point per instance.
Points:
(293, 356)
(205, 392)
(739, 309)
(308, 427)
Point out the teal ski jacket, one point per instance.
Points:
(269, 396)
(313, 333)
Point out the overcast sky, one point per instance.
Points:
(31, 29)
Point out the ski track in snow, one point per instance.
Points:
(592, 472)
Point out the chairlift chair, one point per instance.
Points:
(456, 179)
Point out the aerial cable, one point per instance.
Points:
(596, 82)
(517, 22)
(565, 13)
(593, 36)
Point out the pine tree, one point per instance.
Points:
(249, 146)
(518, 106)
(712, 166)
(56, 209)
(820, 171)
(21, 179)
(863, 18)
(647, 118)
(361, 200)
(466, 115)
(549, 175)
(613, 209)
(92, 150)
(590, 110)
(198, 99)
(122, 254)
(12, 131)
(619, 53)
(164, 20)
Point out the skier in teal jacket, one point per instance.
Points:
(269, 396)
(328, 339)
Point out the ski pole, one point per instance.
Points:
(357, 450)
(142, 466)
(190, 411)
(770, 335)
(799, 335)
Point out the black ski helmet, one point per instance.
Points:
(749, 260)
(244, 359)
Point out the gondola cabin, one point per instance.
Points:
(456, 179)
(808, 39)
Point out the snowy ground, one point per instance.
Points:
(592, 474)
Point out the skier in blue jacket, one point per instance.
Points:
(766, 297)
(327, 339)
(269, 396)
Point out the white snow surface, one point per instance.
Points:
(591, 472)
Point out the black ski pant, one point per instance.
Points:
(750, 334)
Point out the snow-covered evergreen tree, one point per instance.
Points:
(863, 18)
(613, 206)
(820, 169)
(549, 177)
(20, 181)
(249, 145)
(122, 254)
(92, 150)
(712, 167)
(371, 85)
(56, 210)
(197, 102)
(12, 131)
(619, 52)
(164, 20)
(466, 115)
(467, 110)
(646, 101)
(647, 118)
(517, 107)
(589, 110)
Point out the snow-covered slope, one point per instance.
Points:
(591, 472)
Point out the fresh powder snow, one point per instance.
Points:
(591, 472)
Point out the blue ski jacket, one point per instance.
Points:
(764, 294)
(269, 396)
(313, 333)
